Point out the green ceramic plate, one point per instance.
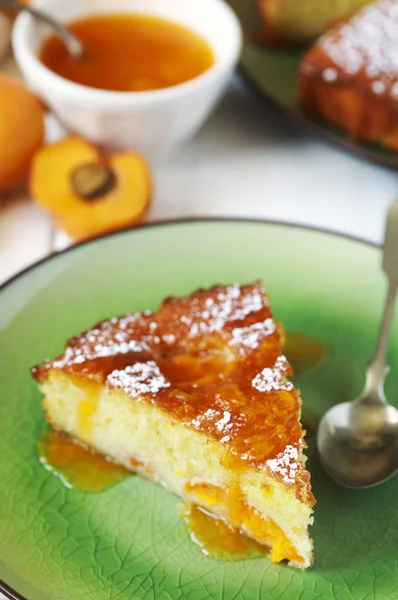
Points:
(128, 542)
(273, 73)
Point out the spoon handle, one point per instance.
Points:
(377, 369)
(73, 45)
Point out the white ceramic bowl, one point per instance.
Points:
(154, 121)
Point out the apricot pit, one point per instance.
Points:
(92, 181)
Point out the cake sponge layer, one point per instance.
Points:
(143, 438)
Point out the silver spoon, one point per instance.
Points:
(358, 440)
(72, 43)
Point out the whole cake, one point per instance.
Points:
(195, 397)
(304, 20)
(350, 76)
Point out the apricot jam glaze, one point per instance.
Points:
(129, 53)
(76, 465)
(216, 538)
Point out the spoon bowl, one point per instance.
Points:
(359, 450)
(358, 441)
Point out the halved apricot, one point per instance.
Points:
(87, 193)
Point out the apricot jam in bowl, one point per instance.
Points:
(151, 74)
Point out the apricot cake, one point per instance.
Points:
(304, 20)
(195, 397)
(350, 76)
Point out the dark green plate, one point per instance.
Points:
(128, 542)
(273, 72)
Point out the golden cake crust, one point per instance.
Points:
(350, 76)
(214, 362)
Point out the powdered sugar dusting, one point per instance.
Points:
(141, 333)
(139, 379)
(71, 356)
(252, 336)
(126, 321)
(121, 348)
(368, 43)
(330, 74)
(74, 356)
(272, 379)
(102, 342)
(222, 420)
(224, 424)
(231, 305)
(134, 333)
(286, 464)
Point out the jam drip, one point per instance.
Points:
(78, 466)
(216, 538)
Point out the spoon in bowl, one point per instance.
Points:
(358, 441)
(72, 43)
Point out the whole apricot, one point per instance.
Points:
(21, 131)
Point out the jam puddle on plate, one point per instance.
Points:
(81, 468)
(304, 352)
(216, 538)
(77, 466)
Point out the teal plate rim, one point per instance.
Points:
(7, 591)
(10, 593)
(186, 221)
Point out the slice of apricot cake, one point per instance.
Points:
(195, 397)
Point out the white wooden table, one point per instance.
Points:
(244, 162)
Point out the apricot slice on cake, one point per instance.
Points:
(88, 193)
